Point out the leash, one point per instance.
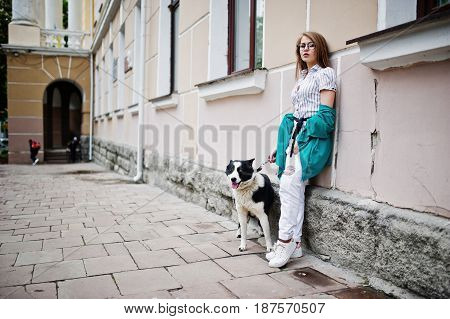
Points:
(261, 166)
(298, 127)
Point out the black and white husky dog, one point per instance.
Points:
(254, 195)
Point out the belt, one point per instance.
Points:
(298, 126)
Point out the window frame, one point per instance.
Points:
(173, 6)
(231, 37)
(425, 7)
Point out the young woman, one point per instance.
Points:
(313, 98)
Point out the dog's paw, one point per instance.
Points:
(242, 248)
(269, 249)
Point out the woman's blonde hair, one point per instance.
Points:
(321, 51)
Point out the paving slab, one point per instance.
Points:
(258, 287)
(32, 230)
(7, 260)
(21, 247)
(166, 243)
(139, 235)
(211, 250)
(45, 223)
(46, 235)
(160, 294)
(39, 257)
(102, 239)
(203, 271)
(58, 271)
(108, 265)
(207, 228)
(191, 254)
(156, 259)
(289, 279)
(197, 239)
(244, 266)
(144, 281)
(98, 287)
(79, 232)
(232, 247)
(10, 238)
(211, 290)
(116, 249)
(33, 291)
(13, 276)
(135, 247)
(310, 277)
(83, 252)
(50, 244)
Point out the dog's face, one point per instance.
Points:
(239, 172)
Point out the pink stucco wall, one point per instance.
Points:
(412, 159)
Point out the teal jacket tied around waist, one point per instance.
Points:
(314, 141)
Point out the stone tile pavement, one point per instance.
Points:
(78, 231)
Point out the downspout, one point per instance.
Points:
(91, 107)
(141, 64)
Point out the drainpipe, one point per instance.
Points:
(91, 107)
(141, 64)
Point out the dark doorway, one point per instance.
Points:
(62, 114)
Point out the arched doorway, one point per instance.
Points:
(62, 118)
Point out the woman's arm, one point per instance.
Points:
(327, 97)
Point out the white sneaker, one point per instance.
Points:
(296, 254)
(283, 252)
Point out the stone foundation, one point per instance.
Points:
(405, 248)
(117, 157)
(84, 144)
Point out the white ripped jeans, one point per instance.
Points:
(292, 197)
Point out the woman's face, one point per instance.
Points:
(308, 51)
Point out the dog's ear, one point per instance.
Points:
(229, 168)
(251, 161)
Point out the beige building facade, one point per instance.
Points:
(376, 149)
(176, 95)
(49, 80)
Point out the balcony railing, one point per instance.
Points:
(62, 38)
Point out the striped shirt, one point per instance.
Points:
(306, 93)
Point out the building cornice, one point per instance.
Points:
(11, 48)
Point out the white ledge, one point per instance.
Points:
(133, 109)
(252, 82)
(427, 43)
(166, 102)
(119, 113)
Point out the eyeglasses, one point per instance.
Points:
(309, 45)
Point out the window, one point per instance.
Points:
(425, 7)
(114, 72)
(174, 44)
(98, 82)
(245, 27)
(137, 50)
(110, 78)
(120, 69)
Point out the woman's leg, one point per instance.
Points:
(292, 197)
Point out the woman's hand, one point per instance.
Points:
(272, 157)
(295, 148)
